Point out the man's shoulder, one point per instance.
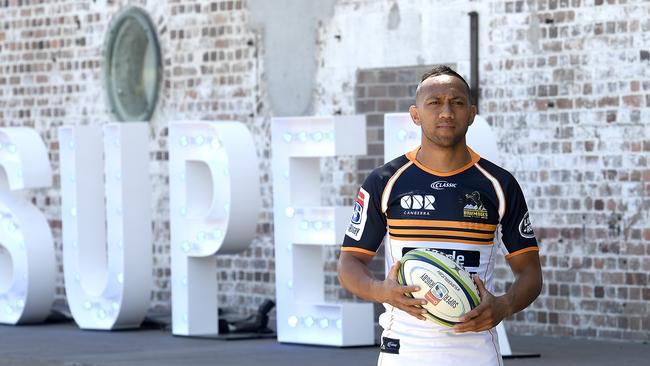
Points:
(384, 172)
(502, 175)
(379, 177)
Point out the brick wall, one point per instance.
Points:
(50, 75)
(565, 85)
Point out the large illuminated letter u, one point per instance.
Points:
(106, 244)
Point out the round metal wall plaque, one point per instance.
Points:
(132, 66)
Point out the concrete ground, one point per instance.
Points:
(63, 344)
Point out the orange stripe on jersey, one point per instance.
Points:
(464, 234)
(441, 240)
(522, 251)
(358, 250)
(443, 224)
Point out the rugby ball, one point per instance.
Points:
(447, 287)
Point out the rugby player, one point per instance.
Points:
(441, 195)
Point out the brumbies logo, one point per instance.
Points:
(474, 208)
(525, 227)
(359, 215)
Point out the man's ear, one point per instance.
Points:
(413, 110)
(472, 113)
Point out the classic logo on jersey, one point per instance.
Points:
(359, 215)
(418, 204)
(526, 228)
(442, 184)
(474, 208)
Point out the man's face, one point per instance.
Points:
(443, 110)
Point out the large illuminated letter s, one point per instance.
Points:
(27, 262)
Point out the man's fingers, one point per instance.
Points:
(477, 320)
(414, 311)
(409, 289)
(407, 301)
(480, 285)
(473, 324)
(473, 313)
(470, 326)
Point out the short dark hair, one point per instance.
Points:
(445, 70)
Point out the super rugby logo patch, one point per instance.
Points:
(359, 215)
(358, 208)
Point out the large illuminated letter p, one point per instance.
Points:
(214, 204)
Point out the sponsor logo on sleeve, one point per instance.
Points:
(442, 184)
(526, 228)
(359, 216)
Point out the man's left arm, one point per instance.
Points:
(493, 309)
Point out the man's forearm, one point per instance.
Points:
(355, 277)
(524, 290)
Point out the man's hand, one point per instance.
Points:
(355, 276)
(490, 312)
(391, 292)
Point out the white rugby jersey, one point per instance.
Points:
(467, 214)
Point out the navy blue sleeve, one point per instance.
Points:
(517, 233)
(368, 224)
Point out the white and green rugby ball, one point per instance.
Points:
(447, 287)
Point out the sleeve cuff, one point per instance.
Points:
(358, 250)
(522, 251)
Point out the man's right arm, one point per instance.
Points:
(355, 276)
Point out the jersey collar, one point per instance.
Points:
(475, 158)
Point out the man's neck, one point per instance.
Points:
(441, 159)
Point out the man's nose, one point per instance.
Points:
(446, 111)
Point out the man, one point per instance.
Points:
(441, 195)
